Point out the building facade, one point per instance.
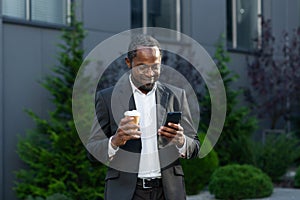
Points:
(30, 30)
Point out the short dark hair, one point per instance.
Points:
(141, 40)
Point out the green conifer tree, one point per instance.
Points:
(233, 145)
(56, 158)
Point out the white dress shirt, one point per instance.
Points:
(146, 106)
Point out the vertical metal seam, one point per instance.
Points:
(178, 19)
(234, 26)
(145, 17)
(28, 10)
(68, 22)
(259, 21)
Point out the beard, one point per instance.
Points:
(147, 87)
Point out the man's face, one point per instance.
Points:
(145, 68)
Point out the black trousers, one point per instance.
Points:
(155, 193)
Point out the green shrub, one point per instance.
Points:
(198, 171)
(277, 154)
(55, 196)
(297, 178)
(239, 182)
(241, 150)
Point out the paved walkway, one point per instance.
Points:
(278, 194)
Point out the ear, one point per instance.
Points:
(128, 63)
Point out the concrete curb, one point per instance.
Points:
(278, 194)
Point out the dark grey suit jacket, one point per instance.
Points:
(121, 176)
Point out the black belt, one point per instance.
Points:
(146, 183)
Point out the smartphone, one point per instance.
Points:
(173, 117)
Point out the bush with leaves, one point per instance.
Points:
(55, 156)
(277, 154)
(55, 196)
(234, 182)
(233, 144)
(297, 178)
(198, 171)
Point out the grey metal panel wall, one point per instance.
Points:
(186, 17)
(106, 15)
(208, 20)
(94, 38)
(279, 16)
(104, 18)
(49, 40)
(293, 10)
(28, 52)
(285, 16)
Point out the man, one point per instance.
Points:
(143, 159)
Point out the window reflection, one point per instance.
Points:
(50, 11)
(159, 13)
(243, 24)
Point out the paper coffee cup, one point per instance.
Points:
(135, 114)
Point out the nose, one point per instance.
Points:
(150, 72)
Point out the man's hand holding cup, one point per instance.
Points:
(128, 129)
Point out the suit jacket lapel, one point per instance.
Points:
(123, 100)
(162, 99)
(132, 103)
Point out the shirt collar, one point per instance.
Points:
(135, 89)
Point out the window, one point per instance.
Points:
(243, 24)
(156, 13)
(14, 8)
(50, 11)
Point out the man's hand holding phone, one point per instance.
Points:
(172, 129)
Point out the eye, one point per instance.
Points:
(142, 67)
(155, 67)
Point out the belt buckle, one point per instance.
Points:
(144, 183)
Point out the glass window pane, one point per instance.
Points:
(162, 13)
(246, 23)
(14, 8)
(229, 26)
(159, 13)
(54, 11)
(242, 24)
